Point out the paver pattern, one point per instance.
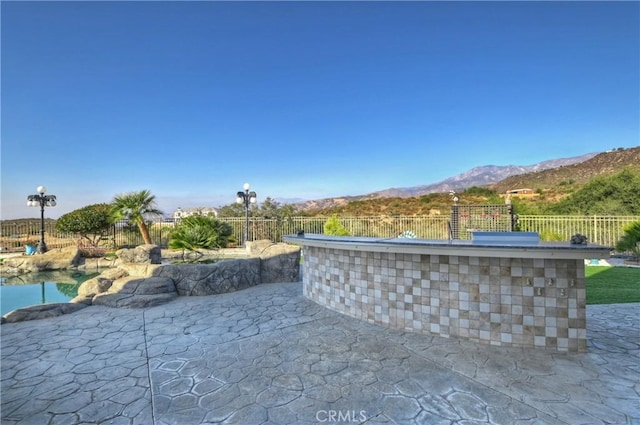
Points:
(267, 355)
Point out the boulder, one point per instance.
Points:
(141, 270)
(115, 273)
(42, 311)
(97, 263)
(203, 255)
(149, 254)
(280, 263)
(209, 279)
(144, 284)
(54, 259)
(136, 292)
(82, 299)
(100, 283)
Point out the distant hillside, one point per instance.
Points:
(478, 176)
(568, 175)
(565, 179)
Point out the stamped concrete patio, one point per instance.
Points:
(267, 355)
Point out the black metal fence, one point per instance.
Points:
(469, 218)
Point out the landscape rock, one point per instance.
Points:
(176, 255)
(54, 259)
(151, 254)
(132, 300)
(97, 263)
(100, 283)
(136, 292)
(82, 299)
(115, 273)
(145, 284)
(42, 311)
(209, 279)
(280, 263)
(142, 286)
(142, 270)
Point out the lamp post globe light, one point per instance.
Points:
(41, 200)
(247, 198)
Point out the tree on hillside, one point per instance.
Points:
(270, 208)
(528, 207)
(480, 191)
(90, 223)
(617, 194)
(134, 206)
(232, 210)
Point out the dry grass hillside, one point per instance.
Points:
(554, 184)
(558, 182)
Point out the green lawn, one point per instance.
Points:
(610, 285)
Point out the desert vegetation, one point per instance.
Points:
(201, 232)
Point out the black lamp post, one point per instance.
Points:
(247, 198)
(41, 200)
(454, 231)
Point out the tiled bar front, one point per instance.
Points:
(527, 302)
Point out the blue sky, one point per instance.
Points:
(190, 100)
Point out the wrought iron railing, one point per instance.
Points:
(603, 230)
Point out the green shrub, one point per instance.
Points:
(630, 241)
(90, 223)
(617, 194)
(200, 232)
(334, 227)
(551, 236)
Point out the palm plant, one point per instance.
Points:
(134, 206)
(199, 231)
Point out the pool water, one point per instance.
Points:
(40, 288)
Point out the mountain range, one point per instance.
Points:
(478, 176)
(494, 175)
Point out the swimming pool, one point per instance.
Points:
(40, 288)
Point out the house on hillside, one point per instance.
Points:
(519, 193)
(180, 213)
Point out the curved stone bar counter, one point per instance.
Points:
(505, 290)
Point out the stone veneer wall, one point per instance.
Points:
(498, 301)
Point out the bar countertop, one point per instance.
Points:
(490, 248)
